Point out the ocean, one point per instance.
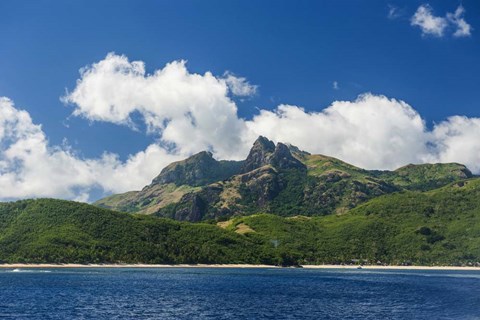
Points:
(216, 293)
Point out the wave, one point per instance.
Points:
(29, 271)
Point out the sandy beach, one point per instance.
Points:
(370, 267)
(74, 265)
(373, 267)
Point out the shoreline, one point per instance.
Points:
(226, 266)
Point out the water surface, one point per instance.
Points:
(213, 293)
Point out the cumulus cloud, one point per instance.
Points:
(190, 110)
(372, 132)
(430, 24)
(113, 175)
(457, 140)
(436, 25)
(187, 112)
(30, 167)
(27, 166)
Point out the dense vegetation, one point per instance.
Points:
(48, 230)
(440, 226)
(424, 177)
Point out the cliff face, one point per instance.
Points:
(264, 152)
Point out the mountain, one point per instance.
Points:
(280, 205)
(279, 179)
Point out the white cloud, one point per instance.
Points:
(27, 166)
(463, 29)
(190, 110)
(436, 25)
(457, 140)
(112, 175)
(187, 113)
(30, 167)
(430, 24)
(239, 86)
(372, 132)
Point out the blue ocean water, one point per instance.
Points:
(188, 293)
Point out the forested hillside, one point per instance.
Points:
(435, 227)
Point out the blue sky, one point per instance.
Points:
(289, 52)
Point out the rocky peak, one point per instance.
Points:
(264, 152)
(197, 170)
(263, 143)
(259, 154)
(282, 158)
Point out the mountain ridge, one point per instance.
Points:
(279, 179)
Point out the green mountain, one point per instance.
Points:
(277, 179)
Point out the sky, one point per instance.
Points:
(96, 97)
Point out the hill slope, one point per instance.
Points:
(48, 230)
(440, 226)
(277, 179)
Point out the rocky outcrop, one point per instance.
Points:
(197, 170)
(262, 185)
(259, 155)
(297, 153)
(283, 159)
(264, 152)
(194, 206)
